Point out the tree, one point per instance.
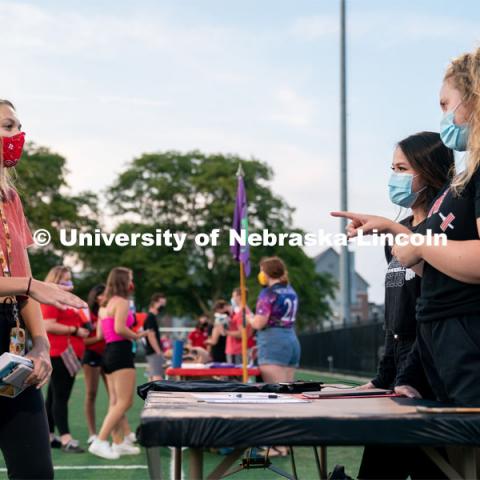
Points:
(181, 192)
(195, 193)
(42, 185)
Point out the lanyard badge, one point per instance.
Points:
(17, 335)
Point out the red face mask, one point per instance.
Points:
(131, 287)
(12, 148)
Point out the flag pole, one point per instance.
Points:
(244, 324)
(241, 222)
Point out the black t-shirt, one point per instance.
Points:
(151, 324)
(456, 216)
(217, 351)
(402, 289)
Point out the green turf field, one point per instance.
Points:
(86, 466)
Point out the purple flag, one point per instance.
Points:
(241, 253)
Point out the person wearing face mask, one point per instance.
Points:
(233, 348)
(448, 310)
(274, 319)
(198, 337)
(448, 333)
(24, 439)
(153, 347)
(217, 340)
(421, 167)
(115, 321)
(65, 328)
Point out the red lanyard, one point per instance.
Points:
(5, 262)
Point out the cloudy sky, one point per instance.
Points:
(103, 82)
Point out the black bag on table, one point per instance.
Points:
(225, 386)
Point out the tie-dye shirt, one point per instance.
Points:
(279, 303)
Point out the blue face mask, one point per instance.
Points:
(400, 189)
(453, 136)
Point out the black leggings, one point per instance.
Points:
(59, 390)
(397, 463)
(24, 438)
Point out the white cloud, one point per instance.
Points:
(314, 27)
(50, 97)
(133, 101)
(29, 26)
(293, 109)
(392, 26)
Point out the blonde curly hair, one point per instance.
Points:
(464, 73)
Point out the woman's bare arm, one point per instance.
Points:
(459, 259)
(258, 321)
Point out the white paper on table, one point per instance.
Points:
(248, 397)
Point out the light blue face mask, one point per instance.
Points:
(400, 189)
(453, 136)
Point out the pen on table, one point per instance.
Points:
(448, 409)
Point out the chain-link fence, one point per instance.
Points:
(354, 349)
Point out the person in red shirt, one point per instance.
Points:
(93, 360)
(166, 343)
(233, 347)
(64, 328)
(24, 439)
(198, 337)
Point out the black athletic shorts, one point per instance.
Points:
(450, 353)
(118, 355)
(93, 359)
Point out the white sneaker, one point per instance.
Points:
(125, 448)
(91, 438)
(130, 438)
(74, 442)
(101, 448)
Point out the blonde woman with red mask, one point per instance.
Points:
(23, 422)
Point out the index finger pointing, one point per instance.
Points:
(343, 214)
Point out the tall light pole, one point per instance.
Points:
(345, 260)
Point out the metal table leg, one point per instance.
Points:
(153, 462)
(196, 464)
(323, 462)
(441, 463)
(223, 467)
(461, 464)
(469, 463)
(177, 463)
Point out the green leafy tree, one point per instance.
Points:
(195, 193)
(42, 185)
